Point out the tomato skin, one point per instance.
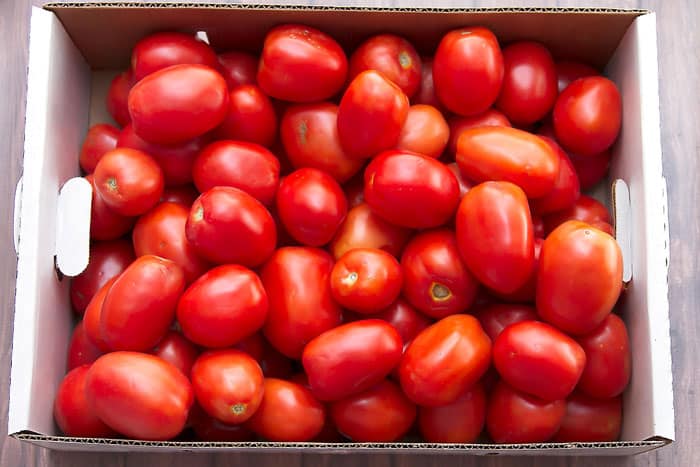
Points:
(371, 114)
(178, 103)
(444, 360)
(164, 49)
(301, 64)
(591, 169)
(184, 195)
(590, 420)
(410, 189)
(515, 417)
(71, 410)
(527, 292)
(425, 131)
(351, 358)
(297, 283)
(579, 277)
(356, 416)
(436, 280)
(568, 71)
(177, 351)
(100, 138)
(208, 428)
(585, 209)
(105, 224)
(238, 68)
(117, 97)
(81, 350)
(284, 401)
(225, 305)
(228, 385)
(93, 317)
(468, 70)
(354, 190)
(227, 225)
(126, 390)
(140, 305)
(458, 124)
(458, 422)
(494, 235)
(272, 363)
(311, 206)
(426, 91)
(496, 317)
(566, 186)
(407, 321)
(243, 165)
(251, 117)
(508, 154)
(464, 184)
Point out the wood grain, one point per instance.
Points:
(679, 56)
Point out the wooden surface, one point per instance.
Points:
(679, 45)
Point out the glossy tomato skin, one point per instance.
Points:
(81, 350)
(105, 224)
(538, 359)
(464, 184)
(272, 363)
(566, 186)
(579, 277)
(590, 420)
(496, 317)
(436, 280)
(468, 70)
(238, 68)
(351, 358)
(222, 307)
(71, 410)
(164, 49)
(184, 195)
(301, 64)
(140, 306)
(591, 169)
(458, 422)
(525, 293)
(100, 138)
(117, 97)
(311, 206)
(585, 209)
(92, 318)
(407, 321)
(239, 164)
(251, 117)
(371, 115)
(178, 103)
(297, 283)
(411, 190)
(282, 402)
(208, 428)
(426, 91)
(227, 225)
(494, 235)
(126, 390)
(445, 360)
(569, 71)
(458, 124)
(425, 131)
(178, 351)
(354, 190)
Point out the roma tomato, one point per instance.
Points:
(425, 131)
(301, 64)
(406, 320)
(591, 169)
(579, 278)
(93, 317)
(354, 190)
(566, 186)
(458, 124)
(251, 117)
(436, 281)
(238, 68)
(184, 195)
(426, 91)
(445, 360)
(410, 189)
(118, 96)
(71, 410)
(225, 305)
(208, 428)
(272, 363)
(177, 351)
(297, 283)
(464, 184)
(164, 49)
(100, 138)
(468, 70)
(494, 235)
(458, 422)
(496, 317)
(590, 420)
(568, 71)
(538, 359)
(106, 224)
(526, 293)
(81, 350)
(585, 209)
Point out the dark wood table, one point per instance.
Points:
(679, 45)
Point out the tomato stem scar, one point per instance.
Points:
(238, 409)
(440, 292)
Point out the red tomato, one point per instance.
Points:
(177, 351)
(184, 195)
(458, 422)
(371, 114)
(529, 82)
(498, 316)
(411, 190)
(354, 190)
(311, 206)
(178, 103)
(93, 317)
(379, 414)
(406, 320)
(228, 385)
(566, 186)
(351, 358)
(590, 420)
(445, 360)
(392, 56)
(468, 70)
(426, 90)
(515, 417)
(585, 209)
(207, 428)
(301, 64)
(588, 115)
(225, 305)
(227, 225)
(464, 184)
(579, 278)
(272, 363)
(425, 131)
(538, 226)
(117, 97)
(81, 350)
(436, 281)
(491, 117)
(567, 72)
(246, 166)
(71, 410)
(100, 138)
(309, 133)
(251, 117)
(283, 402)
(106, 224)
(164, 49)
(526, 293)
(591, 169)
(107, 259)
(238, 68)
(494, 235)
(140, 306)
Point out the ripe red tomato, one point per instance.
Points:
(356, 416)
(301, 64)
(184, 195)
(371, 114)
(140, 306)
(458, 422)
(445, 360)
(228, 385)
(93, 317)
(587, 115)
(354, 190)
(117, 97)
(177, 351)
(227, 225)
(272, 363)
(590, 420)
(464, 184)
(585, 209)
(591, 169)
(568, 71)
(297, 283)
(71, 410)
(238, 68)
(526, 293)
(251, 117)
(426, 91)
(579, 277)
(106, 224)
(406, 320)
(178, 103)
(81, 350)
(436, 280)
(496, 317)
(100, 138)
(468, 70)
(164, 49)
(207, 428)
(566, 186)
(458, 124)
(425, 131)
(410, 189)
(283, 402)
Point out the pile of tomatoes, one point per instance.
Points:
(309, 245)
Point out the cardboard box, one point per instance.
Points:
(75, 50)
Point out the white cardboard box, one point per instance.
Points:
(71, 44)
